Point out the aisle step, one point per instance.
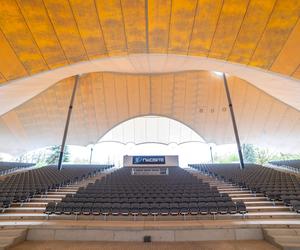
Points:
(60, 192)
(25, 210)
(251, 198)
(267, 208)
(57, 195)
(245, 195)
(30, 204)
(263, 203)
(45, 199)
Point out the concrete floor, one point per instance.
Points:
(203, 245)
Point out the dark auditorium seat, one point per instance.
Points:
(275, 185)
(179, 193)
(296, 205)
(293, 165)
(11, 167)
(21, 187)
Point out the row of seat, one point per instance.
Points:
(274, 184)
(146, 199)
(21, 187)
(10, 167)
(295, 205)
(121, 193)
(289, 164)
(203, 208)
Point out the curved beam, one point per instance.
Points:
(16, 92)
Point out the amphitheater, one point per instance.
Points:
(71, 71)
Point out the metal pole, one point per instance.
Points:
(236, 134)
(91, 155)
(211, 155)
(62, 148)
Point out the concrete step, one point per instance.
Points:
(70, 189)
(11, 237)
(66, 190)
(25, 210)
(217, 183)
(246, 199)
(223, 190)
(30, 204)
(287, 238)
(270, 213)
(61, 192)
(47, 200)
(282, 231)
(289, 246)
(265, 215)
(245, 195)
(57, 195)
(234, 191)
(262, 203)
(22, 216)
(267, 208)
(249, 215)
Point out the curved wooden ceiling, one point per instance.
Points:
(196, 98)
(39, 35)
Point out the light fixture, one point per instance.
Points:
(218, 73)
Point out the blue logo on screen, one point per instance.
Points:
(148, 160)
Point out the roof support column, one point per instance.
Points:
(236, 133)
(211, 154)
(91, 154)
(62, 148)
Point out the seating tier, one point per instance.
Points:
(22, 186)
(274, 184)
(121, 193)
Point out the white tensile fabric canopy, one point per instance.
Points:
(194, 98)
(151, 129)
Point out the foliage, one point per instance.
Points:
(228, 158)
(249, 153)
(284, 157)
(254, 154)
(263, 156)
(54, 153)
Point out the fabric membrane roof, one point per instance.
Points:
(196, 98)
(151, 129)
(40, 35)
(41, 41)
(152, 57)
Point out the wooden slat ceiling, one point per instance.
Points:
(40, 35)
(195, 98)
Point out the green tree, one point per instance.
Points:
(54, 155)
(263, 156)
(249, 153)
(286, 156)
(227, 158)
